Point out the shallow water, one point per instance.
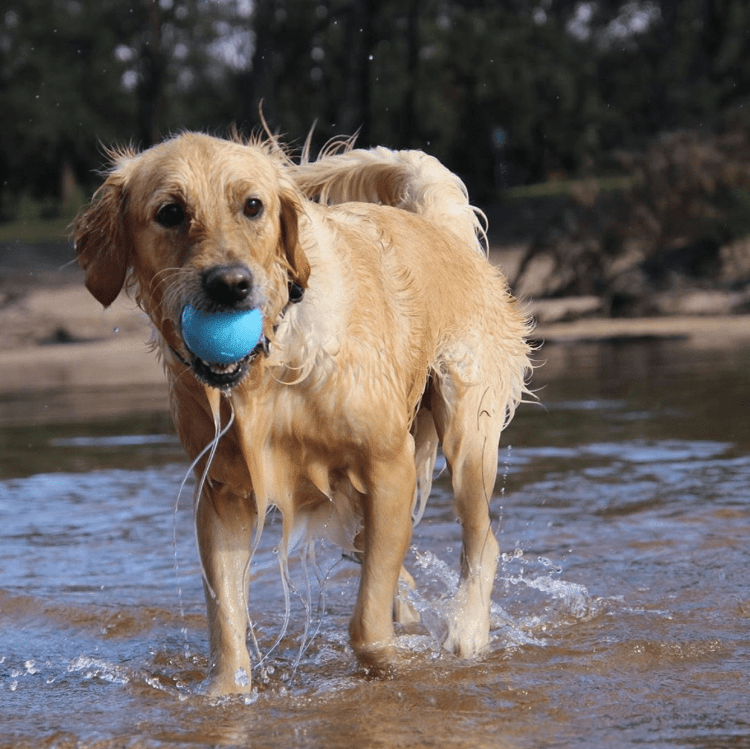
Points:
(621, 611)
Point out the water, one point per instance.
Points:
(621, 613)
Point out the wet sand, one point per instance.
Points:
(59, 336)
(54, 335)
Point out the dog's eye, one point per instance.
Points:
(253, 208)
(170, 215)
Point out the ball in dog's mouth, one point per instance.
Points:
(223, 343)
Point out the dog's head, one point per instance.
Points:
(195, 221)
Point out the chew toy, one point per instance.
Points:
(221, 337)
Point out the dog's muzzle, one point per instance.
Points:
(221, 331)
(230, 288)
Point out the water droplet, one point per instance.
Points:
(241, 679)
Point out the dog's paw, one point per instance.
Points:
(378, 661)
(225, 684)
(467, 636)
(404, 611)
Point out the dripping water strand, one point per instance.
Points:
(210, 448)
(503, 484)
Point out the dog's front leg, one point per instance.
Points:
(387, 531)
(225, 523)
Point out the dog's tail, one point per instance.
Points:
(411, 180)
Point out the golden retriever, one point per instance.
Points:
(386, 332)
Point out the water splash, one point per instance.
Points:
(575, 599)
(563, 603)
(505, 470)
(97, 668)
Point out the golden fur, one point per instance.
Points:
(406, 337)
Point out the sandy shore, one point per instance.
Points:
(54, 335)
(58, 336)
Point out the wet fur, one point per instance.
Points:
(406, 338)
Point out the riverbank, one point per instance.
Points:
(54, 335)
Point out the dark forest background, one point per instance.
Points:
(612, 137)
(506, 92)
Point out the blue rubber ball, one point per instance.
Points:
(221, 337)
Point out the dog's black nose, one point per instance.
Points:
(228, 284)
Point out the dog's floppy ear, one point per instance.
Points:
(291, 248)
(100, 241)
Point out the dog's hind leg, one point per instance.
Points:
(387, 503)
(225, 524)
(470, 419)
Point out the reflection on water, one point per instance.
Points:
(621, 613)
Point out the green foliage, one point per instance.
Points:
(59, 90)
(672, 224)
(504, 92)
(35, 230)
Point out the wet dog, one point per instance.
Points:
(386, 333)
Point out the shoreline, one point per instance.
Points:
(55, 336)
(99, 349)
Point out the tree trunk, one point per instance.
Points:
(151, 80)
(262, 86)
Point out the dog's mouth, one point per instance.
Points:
(212, 339)
(222, 376)
(226, 376)
(221, 344)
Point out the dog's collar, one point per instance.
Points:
(296, 294)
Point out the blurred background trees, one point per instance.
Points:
(506, 92)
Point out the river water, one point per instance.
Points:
(621, 611)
